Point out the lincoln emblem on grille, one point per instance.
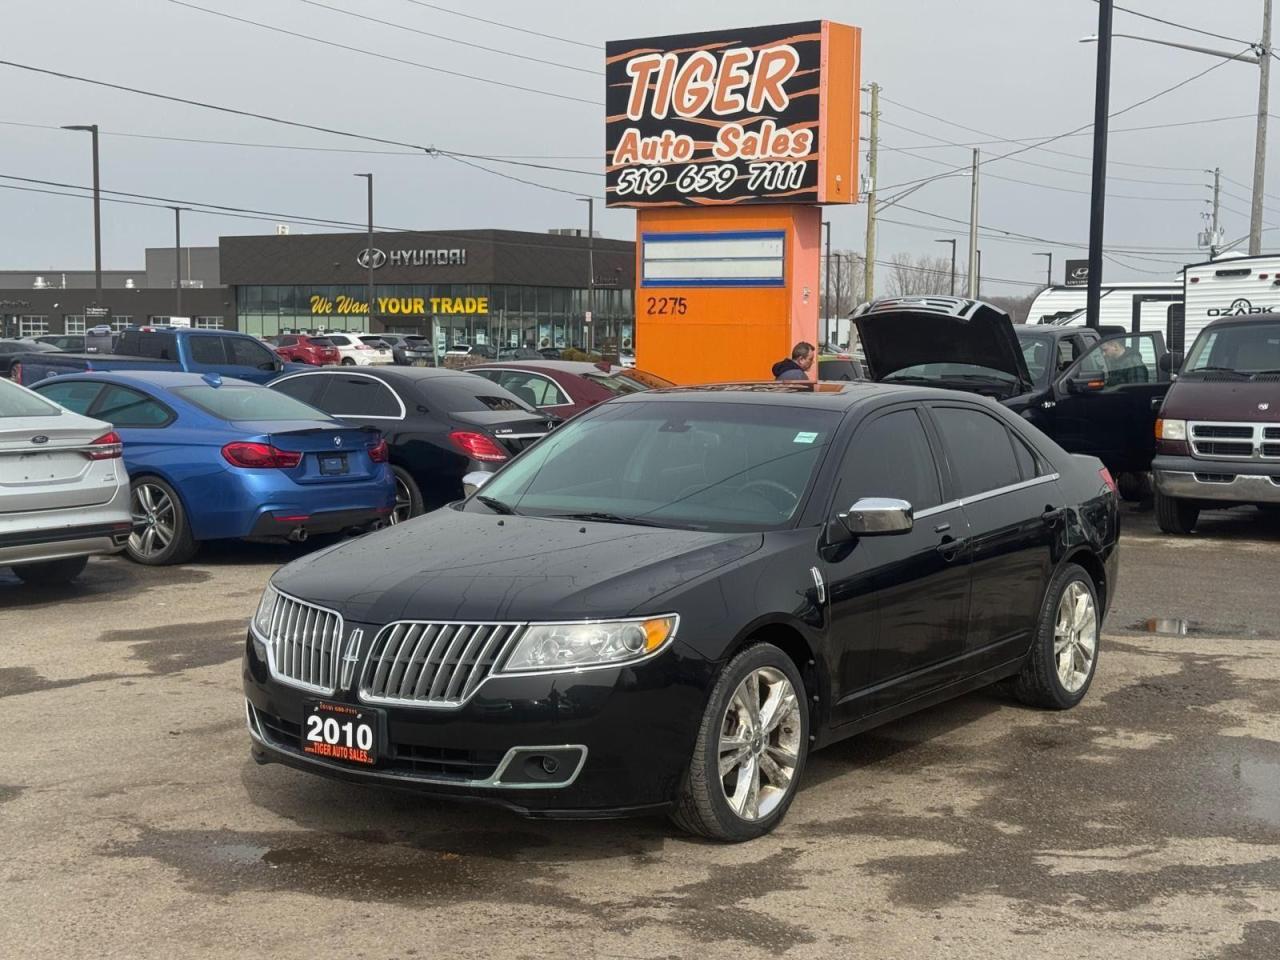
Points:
(351, 657)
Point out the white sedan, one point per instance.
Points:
(64, 491)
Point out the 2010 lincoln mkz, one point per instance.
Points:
(670, 601)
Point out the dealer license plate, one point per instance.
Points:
(333, 464)
(341, 732)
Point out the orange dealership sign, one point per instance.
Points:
(757, 115)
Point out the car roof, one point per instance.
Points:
(386, 372)
(163, 379)
(578, 367)
(822, 394)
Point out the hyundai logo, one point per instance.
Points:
(40, 439)
(371, 258)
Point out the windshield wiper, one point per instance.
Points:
(496, 505)
(1215, 370)
(1254, 374)
(602, 517)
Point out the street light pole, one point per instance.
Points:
(369, 249)
(1098, 188)
(826, 312)
(953, 263)
(177, 260)
(1048, 272)
(92, 129)
(591, 266)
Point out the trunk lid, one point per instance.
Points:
(513, 432)
(331, 453)
(943, 335)
(44, 464)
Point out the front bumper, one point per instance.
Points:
(624, 734)
(1222, 481)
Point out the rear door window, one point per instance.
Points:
(979, 449)
(77, 395)
(157, 346)
(122, 407)
(208, 350)
(357, 396)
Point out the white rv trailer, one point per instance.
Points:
(1230, 287)
(1065, 305)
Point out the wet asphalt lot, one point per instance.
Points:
(1146, 823)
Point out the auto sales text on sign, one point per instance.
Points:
(764, 114)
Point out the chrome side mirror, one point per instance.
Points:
(474, 480)
(878, 516)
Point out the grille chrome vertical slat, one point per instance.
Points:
(305, 641)
(440, 664)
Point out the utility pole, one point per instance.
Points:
(1260, 142)
(369, 248)
(826, 334)
(92, 129)
(1213, 220)
(953, 263)
(177, 261)
(1098, 198)
(972, 291)
(869, 264)
(978, 289)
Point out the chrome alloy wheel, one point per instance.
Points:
(1075, 636)
(759, 743)
(403, 509)
(154, 520)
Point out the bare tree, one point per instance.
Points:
(919, 276)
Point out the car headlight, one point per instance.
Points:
(570, 646)
(266, 607)
(1171, 429)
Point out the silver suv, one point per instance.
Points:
(64, 492)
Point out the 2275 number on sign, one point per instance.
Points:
(339, 731)
(663, 306)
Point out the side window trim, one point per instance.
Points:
(328, 377)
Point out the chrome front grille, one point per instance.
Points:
(305, 643)
(433, 664)
(1235, 441)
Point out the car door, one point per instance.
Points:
(1012, 505)
(1106, 406)
(247, 359)
(898, 603)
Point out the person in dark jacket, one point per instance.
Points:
(796, 367)
(1124, 364)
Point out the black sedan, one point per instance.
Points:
(440, 425)
(666, 604)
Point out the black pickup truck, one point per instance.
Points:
(1093, 394)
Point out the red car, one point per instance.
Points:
(300, 348)
(566, 387)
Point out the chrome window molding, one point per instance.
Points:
(987, 495)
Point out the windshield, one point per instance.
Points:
(233, 403)
(1247, 349)
(947, 371)
(1036, 352)
(16, 402)
(692, 465)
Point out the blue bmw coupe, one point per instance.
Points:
(212, 458)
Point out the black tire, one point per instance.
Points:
(1040, 684)
(1134, 487)
(406, 486)
(50, 572)
(1176, 515)
(348, 362)
(702, 806)
(180, 548)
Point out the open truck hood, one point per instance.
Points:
(901, 332)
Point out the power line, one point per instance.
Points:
(439, 36)
(1180, 26)
(920, 182)
(507, 176)
(505, 26)
(384, 56)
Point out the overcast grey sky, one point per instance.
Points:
(1012, 68)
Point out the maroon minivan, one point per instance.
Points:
(1218, 436)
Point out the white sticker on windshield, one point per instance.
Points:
(805, 438)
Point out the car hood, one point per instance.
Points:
(1222, 400)
(456, 565)
(906, 332)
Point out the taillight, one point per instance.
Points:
(378, 452)
(1109, 480)
(363, 346)
(260, 456)
(106, 447)
(477, 446)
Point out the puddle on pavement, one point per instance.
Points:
(1261, 780)
(1181, 627)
